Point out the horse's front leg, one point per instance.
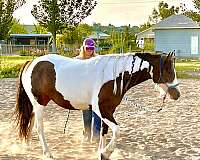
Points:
(107, 151)
(102, 142)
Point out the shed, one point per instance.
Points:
(30, 39)
(99, 35)
(178, 33)
(144, 36)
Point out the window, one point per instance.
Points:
(194, 44)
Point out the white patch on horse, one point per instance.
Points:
(175, 82)
(112, 143)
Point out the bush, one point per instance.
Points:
(149, 45)
(10, 71)
(24, 53)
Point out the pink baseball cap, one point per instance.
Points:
(89, 42)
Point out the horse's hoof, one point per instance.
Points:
(48, 155)
(103, 157)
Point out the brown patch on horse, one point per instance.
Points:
(108, 101)
(43, 81)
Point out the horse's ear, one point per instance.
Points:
(169, 55)
(174, 53)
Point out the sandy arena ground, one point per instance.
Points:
(172, 134)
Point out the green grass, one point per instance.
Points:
(10, 65)
(188, 69)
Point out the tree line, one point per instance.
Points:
(63, 17)
(164, 10)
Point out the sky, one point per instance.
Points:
(115, 12)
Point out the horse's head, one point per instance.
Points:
(164, 74)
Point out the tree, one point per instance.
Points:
(144, 26)
(17, 28)
(163, 12)
(75, 35)
(128, 39)
(55, 15)
(39, 29)
(195, 15)
(7, 7)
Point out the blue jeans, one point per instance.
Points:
(90, 117)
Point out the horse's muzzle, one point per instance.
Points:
(174, 93)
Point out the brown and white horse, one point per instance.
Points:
(100, 82)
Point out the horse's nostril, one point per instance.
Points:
(176, 96)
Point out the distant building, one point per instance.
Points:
(99, 35)
(178, 33)
(26, 44)
(30, 39)
(144, 36)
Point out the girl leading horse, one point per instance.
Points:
(99, 82)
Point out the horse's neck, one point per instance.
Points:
(139, 73)
(139, 77)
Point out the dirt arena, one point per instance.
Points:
(172, 134)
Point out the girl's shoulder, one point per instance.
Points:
(78, 57)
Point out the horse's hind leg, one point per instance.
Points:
(40, 130)
(32, 120)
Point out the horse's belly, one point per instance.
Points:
(75, 86)
(78, 94)
(80, 106)
(77, 97)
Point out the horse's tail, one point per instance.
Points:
(24, 108)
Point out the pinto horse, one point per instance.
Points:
(99, 83)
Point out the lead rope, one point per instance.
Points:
(66, 120)
(163, 103)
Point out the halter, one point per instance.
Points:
(161, 69)
(167, 85)
(161, 80)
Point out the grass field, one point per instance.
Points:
(188, 68)
(10, 66)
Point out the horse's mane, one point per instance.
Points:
(139, 54)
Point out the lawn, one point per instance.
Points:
(188, 68)
(10, 66)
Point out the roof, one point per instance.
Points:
(30, 35)
(177, 21)
(148, 33)
(99, 35)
